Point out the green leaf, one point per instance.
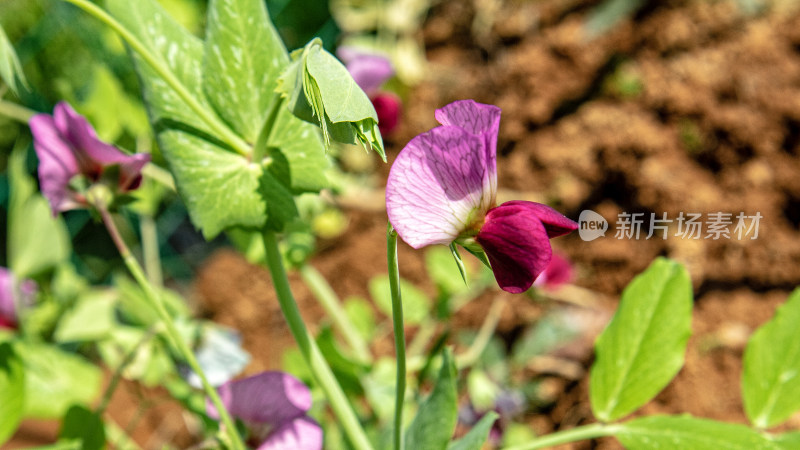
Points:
(320, 90)
(771, 368)
(476, 436)
(82, 424)
(554, 329)
(243, 58)
(416, 305)
(689, 433)
(643, 347)
(12, 391)
(219, 187)
(435, 422)
(55, 380)
(10, 68)
(788, 441)
(91, 318)
(37, 241)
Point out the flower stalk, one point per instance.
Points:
(399, 334)
(308, 347)
(155, 300)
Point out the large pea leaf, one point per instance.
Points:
(244, 57)
(689, 433)
(55, 380)
(219, 187)
(435, 422)
(643, 347)
(320, 90)
(12, 391)
(37, 241)
(771, 372)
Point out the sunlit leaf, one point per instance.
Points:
(643, 347)
(771, 368)
(689, 433)
(320, 90)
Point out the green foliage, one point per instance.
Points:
(144, 356)
(545, 335)
(37, 241)
(610, 13)
(12, 391)
(223, 188)
(55, 380)
(475, 438)
(10, 68)
(361, 316)
(770, 382)
(90, 318)
(416, 305)
(643, 347)
(320, 90)
(689, 433)
(435, 422)
(81, 424)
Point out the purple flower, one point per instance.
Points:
(273, 406)
(370, 71)
(67, 146)
(13, 293)
(558, 272)
(442, 188)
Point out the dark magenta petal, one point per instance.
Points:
(517, 245)
(558, 272)
(266, 398)
(554, 222)
(388, 107)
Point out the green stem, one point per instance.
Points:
(216, 125)
(399, 334)
(591, 431)
(158, 304)
(308, 347)
(117, 375)
(15, 111)
(152, 259)
(328, 299)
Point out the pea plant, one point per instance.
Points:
(244, 129)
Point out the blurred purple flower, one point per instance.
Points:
(442, 188)
(273, 406)
(67, 145)
(558, 272)
(13, 293)
(370, 71)
(508, 404)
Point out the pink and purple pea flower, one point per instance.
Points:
(273, 407)
(442, 189)
(67, 146)
(370, 70)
